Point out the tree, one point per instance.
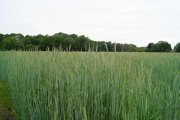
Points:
(162, 46)
(1, 37)
(83, 43)
(9, 43)
(101, 46)
(19, 43)
(119, 47)
(177, 47)
(150, 47)
(73, 42)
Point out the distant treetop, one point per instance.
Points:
(73, 42)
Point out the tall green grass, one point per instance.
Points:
(93, 86)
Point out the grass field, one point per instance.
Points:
(93, 86)
(7, 110)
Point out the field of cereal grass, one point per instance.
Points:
(93, 85)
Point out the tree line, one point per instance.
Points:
(73, 42)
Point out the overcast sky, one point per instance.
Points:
(124, 21)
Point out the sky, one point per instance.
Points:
(122, 21)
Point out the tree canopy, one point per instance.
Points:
(161, 46)
(73, 42)
(59, 41)
(177, 47)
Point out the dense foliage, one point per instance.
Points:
(177, 47)
(93, 85)
(60, 41)
(161, 46)
(72, 42)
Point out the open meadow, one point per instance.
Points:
(93, 85)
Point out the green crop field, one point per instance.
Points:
(93, 85)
